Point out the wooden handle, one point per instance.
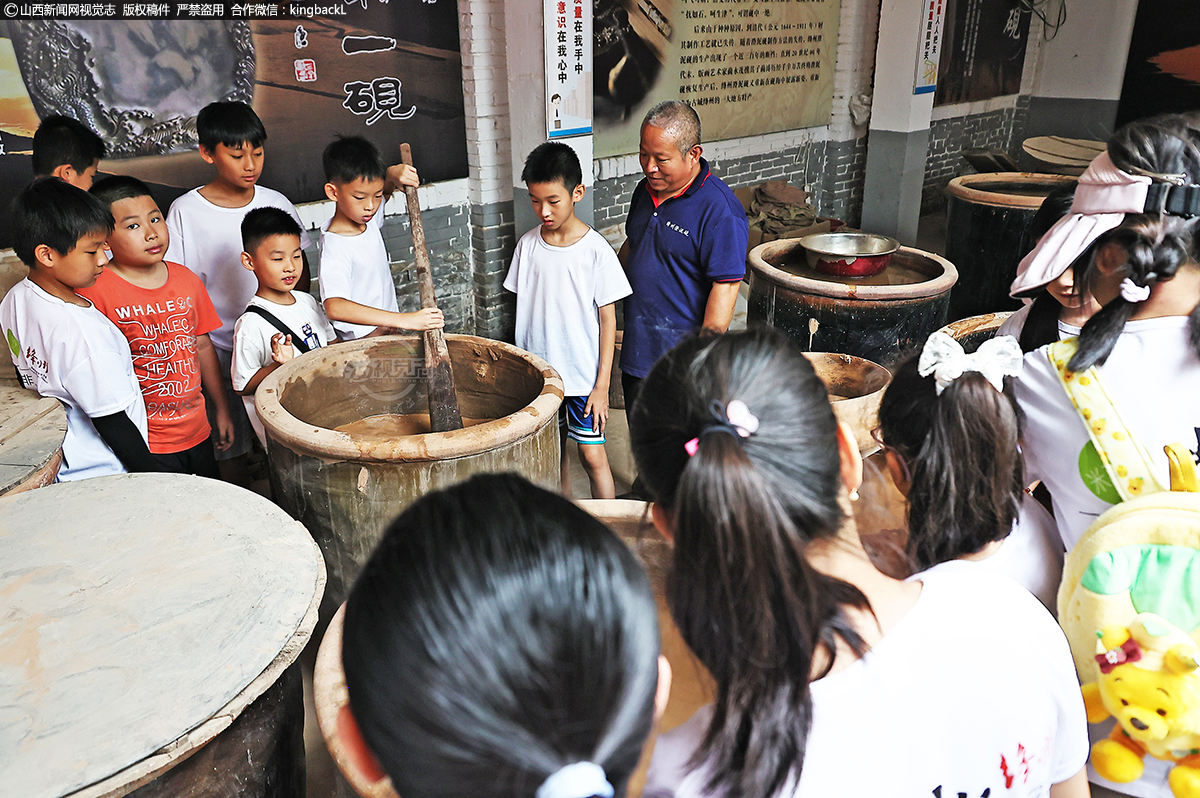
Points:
(443, 401)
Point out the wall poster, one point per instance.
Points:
(983, 51)
(138, 73)
(933, 26)
(1162, 73)
(747, 66)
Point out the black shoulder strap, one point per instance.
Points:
(297, 340)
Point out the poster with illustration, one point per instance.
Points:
(747, 66)
(983, 50)
(387, 70)
(1162, 73)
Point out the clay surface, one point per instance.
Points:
(31, 437)
(142, 614)
(394, 425)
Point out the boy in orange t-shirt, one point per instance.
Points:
(165, 313)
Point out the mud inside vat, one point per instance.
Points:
(346, 488)
(875, 318)
(855, 388)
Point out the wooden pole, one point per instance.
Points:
(443, 402)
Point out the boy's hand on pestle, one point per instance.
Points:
(401, 175)
(281, 348)
(426, 319)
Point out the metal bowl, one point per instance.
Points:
(849, 254)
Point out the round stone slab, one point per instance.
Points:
(139, 614)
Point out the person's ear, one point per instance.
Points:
(331, 191)
(852, 464)
(65, 172)
(247, 261)
(695, 152)
(895, 467)
(207, 154)
(360, 757)
(663, 521)
(45, 255)
(663, 691)
(578, 193)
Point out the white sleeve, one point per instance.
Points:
(251, 351)
(1071, 746)
(337, 272)
(611, 282)
(99, 385)
(512, 280)
(176, 252)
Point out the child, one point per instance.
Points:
(357, 289)
(1056, 310)
(204, 225)
(547, 685)
(950, 436)
(271, 242)
(1143, 269)
(164, 312)
(832, 678)
(566, 278)
(61, 345)
(68, 150)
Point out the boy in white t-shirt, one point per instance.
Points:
(61, 345)
(278, 320)
(204, 228)
(566, 278)
(357, 289)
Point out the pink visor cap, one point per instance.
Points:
(1105, 194)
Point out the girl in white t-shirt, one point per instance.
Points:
(1144, 270)
(832, 678)
(950, 434)
(1044, 277)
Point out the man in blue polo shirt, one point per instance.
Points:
(685, 251)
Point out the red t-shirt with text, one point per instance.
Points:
(161, 325)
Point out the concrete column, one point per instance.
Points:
(898, 139)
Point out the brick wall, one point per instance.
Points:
(485, 95)
(999, 129)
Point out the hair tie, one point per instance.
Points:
(734, 418)
(944, 358)
(576, 780)
(1134, 293)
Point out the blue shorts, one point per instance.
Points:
(579, 426)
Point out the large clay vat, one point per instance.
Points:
(871, 317)
(987, 234)
(973, 331)
(346, 488)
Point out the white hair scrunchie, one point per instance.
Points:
(1134, 293)
(577, 780)
(945, 359)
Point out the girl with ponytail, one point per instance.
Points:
(832, 678)
(1139, 262)
(502, 643)
(950, 433)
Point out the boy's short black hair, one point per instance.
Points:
(52, 212)
(119, 187)
(262, 223)
(347, 158)
(62, 140)
(552, 162)
(230, 123)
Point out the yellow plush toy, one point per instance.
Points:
(1130, 605)
(1149, 683)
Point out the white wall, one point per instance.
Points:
(1087, 58)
